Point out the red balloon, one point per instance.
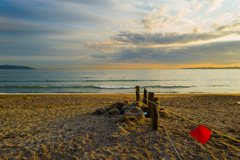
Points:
(202, 134)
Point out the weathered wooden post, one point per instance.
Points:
(150, 96)
(155, 104)
(145, 96)
(137, 93)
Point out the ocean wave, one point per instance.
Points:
(131, 80)
(217, 85)
(115, 87)
(47, 86)
(94, 86)
(159, 86)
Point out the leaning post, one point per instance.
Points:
(155, 104)
(150, 96)
(145, 96)
(137, 93)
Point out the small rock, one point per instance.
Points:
(130, 118)
(138, 113)
(231, 130)
(164, 113)
(113, 111)
(124, 125)
(117, 105)
(99, 111)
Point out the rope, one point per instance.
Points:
(168, 136)
(195, 122)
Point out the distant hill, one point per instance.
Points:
(214, 68)
(14, 67)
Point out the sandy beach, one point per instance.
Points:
(62, 127)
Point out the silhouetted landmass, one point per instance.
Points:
(214, 68)
(14, 67)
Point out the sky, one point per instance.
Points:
(120, 34)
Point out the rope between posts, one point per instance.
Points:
(168, 135)
(195, 122)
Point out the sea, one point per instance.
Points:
(32, 81)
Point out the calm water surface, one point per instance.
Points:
(120, 81)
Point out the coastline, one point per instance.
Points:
(92, 94)
(59, 126)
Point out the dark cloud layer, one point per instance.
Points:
(167, 38)
(226, 27)
(217, 52)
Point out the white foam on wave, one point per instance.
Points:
(114, 87)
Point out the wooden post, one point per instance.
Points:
(145, 96)
(137, 93)
(154, 113)
(150, 96)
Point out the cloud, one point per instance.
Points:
(230, 27)
(197, 5)
(223, 17)
(107, 28)
(164, 10)
(161, 19)
(128, 38)
(166, 38)
(214, 5)
(238, 15)
(217, 53)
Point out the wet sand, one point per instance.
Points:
(61, 127)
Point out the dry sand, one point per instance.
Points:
(61, 127)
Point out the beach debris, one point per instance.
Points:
(124, 126)
(163, 113)
(136, 104)
(137, 112)
(113, 111)
(117, 105)
(99, 111)
(126, 119)
(131, 117)
(127, 102)
(131, 114)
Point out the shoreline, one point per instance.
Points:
(46, 94)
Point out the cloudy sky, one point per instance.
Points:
(120, 33)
